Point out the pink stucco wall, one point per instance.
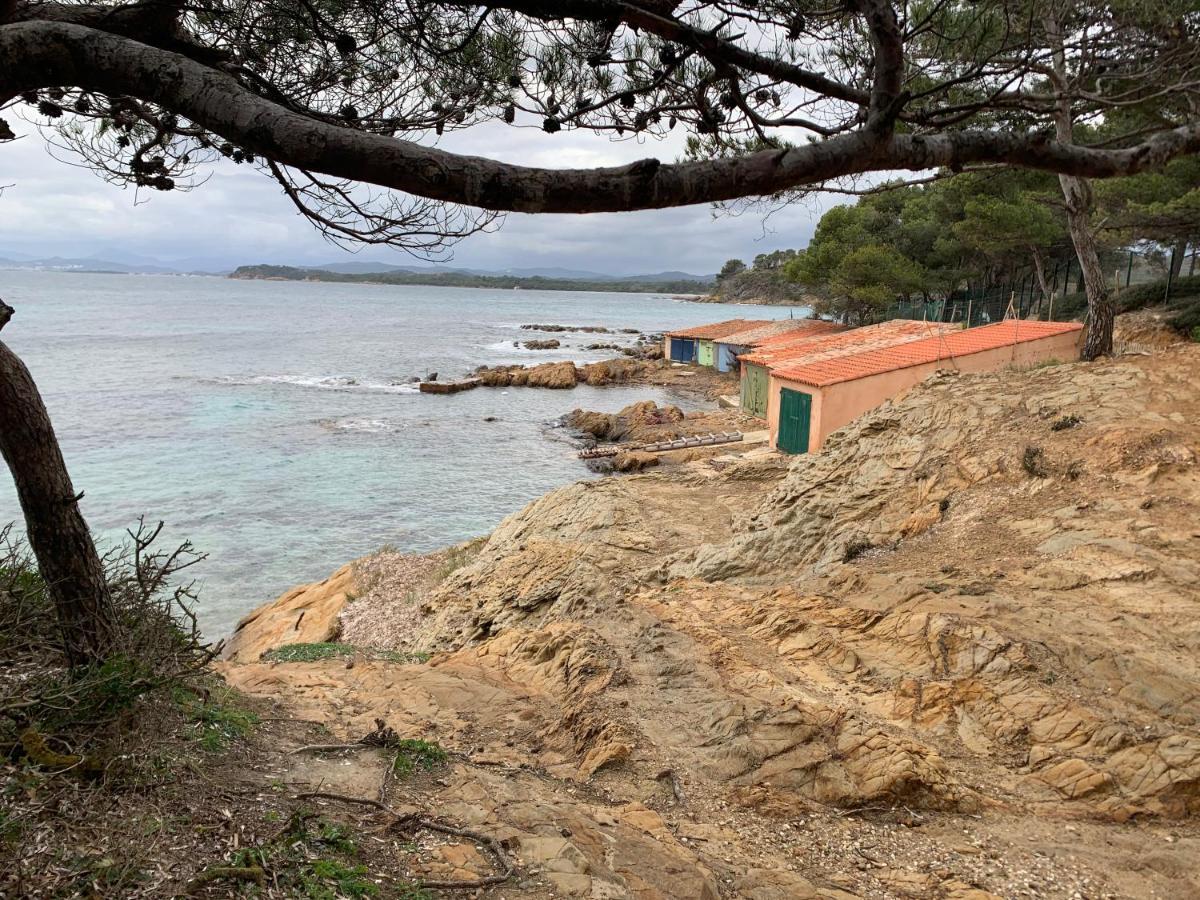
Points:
(837, 404)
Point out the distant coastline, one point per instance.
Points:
(692, 288)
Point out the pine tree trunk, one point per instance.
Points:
(1177, 256)
(1077, 193)
(58, 535)
(1101, 310)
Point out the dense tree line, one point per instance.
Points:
(763, 281)
(985, 230)
(467, 279)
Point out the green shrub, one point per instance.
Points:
(1185, 295)
(1184, 315)
(308, 652)
(314, 863)
(412, 755)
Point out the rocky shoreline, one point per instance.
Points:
(639, 363)
(905, 666)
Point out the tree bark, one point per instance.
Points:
(58, 535)
(38, 54)
(1077, 193)
(1101, 310)
(1177, 256)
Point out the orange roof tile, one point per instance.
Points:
(786, 348)
(780, 328)
(964, 342)
(717, 329)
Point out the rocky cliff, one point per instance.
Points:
(955, 654)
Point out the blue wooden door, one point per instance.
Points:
(683, 349)
(795, 413)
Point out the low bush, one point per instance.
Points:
(1033, 461)
(316, 860)
(153, 687)
(1184, 304)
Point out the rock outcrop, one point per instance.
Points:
(923, 662)
(304, 615)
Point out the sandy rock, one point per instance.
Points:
(635, 461)
(304, 615)
(547, 375)
(660, 685)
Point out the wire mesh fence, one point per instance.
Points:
(1024, 297)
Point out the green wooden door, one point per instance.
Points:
(795, 412)
(704, 355)
(754, 390)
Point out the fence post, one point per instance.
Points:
(1129, 270)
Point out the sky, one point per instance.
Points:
(52, 207)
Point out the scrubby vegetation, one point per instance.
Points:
(312, 858)
(110, 718)
(318, 651)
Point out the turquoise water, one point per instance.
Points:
(272, 422)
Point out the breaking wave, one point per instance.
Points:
(362, 425)
(326, 383)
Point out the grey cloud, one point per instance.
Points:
(50, 207)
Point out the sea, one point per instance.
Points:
(275, 425)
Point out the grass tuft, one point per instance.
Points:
(413, 755)
(217, 718)
(320, 651)
(855, 549)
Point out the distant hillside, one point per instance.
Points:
(83, 265)
(663, 283)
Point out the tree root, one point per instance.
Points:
(414, 822)
(36, 748)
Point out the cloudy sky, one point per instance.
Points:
(52, 207)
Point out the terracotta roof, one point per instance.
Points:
(787, 348)
(751, 337)
(717, 329)
(963, 342)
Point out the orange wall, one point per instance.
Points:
(837, 404)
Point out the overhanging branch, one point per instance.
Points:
(39, 54)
